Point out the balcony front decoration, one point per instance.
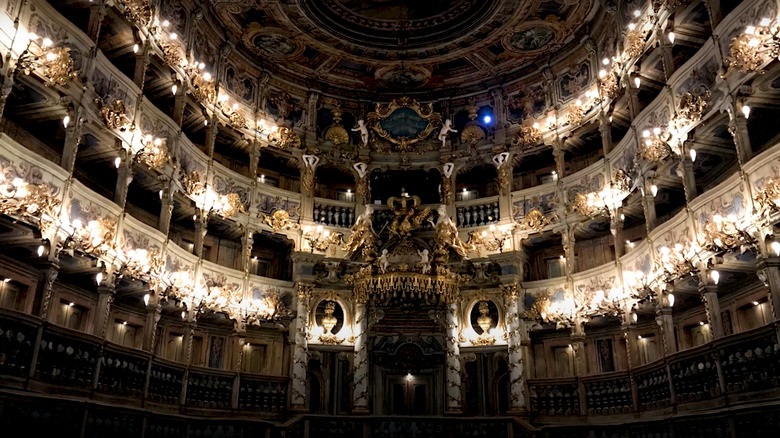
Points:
(536, 220)
(151, 151)
(137, 11)
(115, 115)
(675, 262)
(608, 82)
(528, 136)
(690, 109)
(485, 323)
(203, 87)
(494, 239)
(654, 146)
(634, 42)
(328, 322)
(284, 137)
(721, 234)
(144, 263)
(208, 200)
(606, 201)
(767, 200)
(753, 48)
(95, 238)
(279, 220)
(54, 63)
(29, 201)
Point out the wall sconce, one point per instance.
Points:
(55, 63)
(320, 239)
(495, 241)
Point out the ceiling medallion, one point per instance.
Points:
(404, 122)
(402, 77)
(533, 37)
(271, 41)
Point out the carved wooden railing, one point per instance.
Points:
(740, 364)
(45, 358)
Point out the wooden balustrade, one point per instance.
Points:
(84, 363)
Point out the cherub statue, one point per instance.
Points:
(446, 129)
(363, 131)
(425, 263)
(362, 235)
(383, 262)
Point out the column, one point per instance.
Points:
(44, 289)
(577, 339)
(246, 244)
(685, 171)
(516, 335)
(166, 210)
(308, 165)
(567, 239)
(648, 205)
(666, 322)
(5, 90)
(715, 11)
(709, 294)
(559, 154)
(738, 130)
(72, 141)
(189, 333)
(454, 396)
(123, 178)
(360, 365)
(179, 103)
(106, 290)
(633, 98)
(448, 188)
(238, 341)
(616, 228)
(201, 228)
(300, 349)
(362, 190)
(666, 55)
(141, 62)
(771, 266)
(504, 180)
(630, 338)
(96, 13)
(605, 129)
(153, 314)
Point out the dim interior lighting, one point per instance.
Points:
(66, 121)
(99, 277)
(487, 119)
(117, 162)
(692, 152)
(715, 276)
(41, 250)
(654, 190)
(746, 111)
(670, 298)
(146, 299)
(671, 37)
(124, 322)
(639, 337)
(409, 376)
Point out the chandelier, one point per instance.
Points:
(768, 199)
(405, 283)
(320, 239)
(234, 114)
(755, 46)
(145, 264)
(55, 63)
(655, 145)
(203, 87)
(21, 199)
(208, 200)
(151, 151)
(495, 241)
(675, 262)
(96, 237)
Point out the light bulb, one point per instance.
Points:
(602, 73)
(637, 82)
(746, 111)
(692, 152)
(715, 276)
(166, 23)
(670, 298)
(207, 76)
(776, 248)
(536, 125)
(671, 37)
(765, 22)
(637, 13)
(750, 30)
(605, 61)
(117, 162)
(47, 42)
(135, 48)
(41, 250)
(631, 26)
(654, 190)
(646, 133)
(634, 316)
(99, 277)
(174, 36)
(146, 300)
(174, 88)
(201, 66)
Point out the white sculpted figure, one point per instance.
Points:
(446, 129)
(363, 131)
(424, 261)
(383, 262)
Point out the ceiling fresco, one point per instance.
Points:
(401, 46)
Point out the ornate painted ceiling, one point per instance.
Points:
(402, 46)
